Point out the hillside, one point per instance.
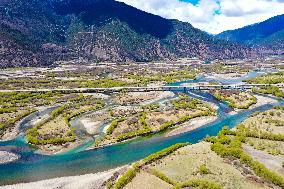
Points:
(268, 34)
(274, 41)
(38, 32)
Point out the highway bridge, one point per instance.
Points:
(148, 89)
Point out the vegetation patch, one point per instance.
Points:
(153, 119)
(131, 173)
(171, 77)
(56, 129)
(273, 90)
(9, 120)
(204, 170)
(236, 99)
(268, 124)
(216, 165)
(198, 183)
(271, 147)
(163, 177)
(271, 78)
(232, 147)
(113, 125)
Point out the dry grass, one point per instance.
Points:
(272, 162)
(271, 147)
(54, 128)
(156, 119)
(241, 99)
(4, 118)
(129, 125)
(144, 180)
(139, 97)
(184, 165)
(123, 111)
(237, 99)
(266, 121)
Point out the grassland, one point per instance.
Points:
(271, 121)
(170, 77)
(8, 122)
(272, 90)
(275, 148)
(195, 166)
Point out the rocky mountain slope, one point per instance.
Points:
(38, 32)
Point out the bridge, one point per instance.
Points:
(148, 89)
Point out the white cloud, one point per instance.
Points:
(234, 13)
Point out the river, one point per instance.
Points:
(32, 166)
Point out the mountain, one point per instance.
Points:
(39, 32)
(269, 34)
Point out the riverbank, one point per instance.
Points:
(51, 149)
(7, 157)
(191, 125)
(88, 181)
(10, 134)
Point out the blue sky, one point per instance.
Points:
(213, 16)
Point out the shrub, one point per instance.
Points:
(130, 135)
(167, 125)
(199, 183)
(2, 126)
(8, 110)
(203, 170)
(57, 111)
(126, 177)
(163, 153)
(113, 125)
(163, 177)
(234, 150)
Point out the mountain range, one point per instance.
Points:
(268, 34)
(39, 32)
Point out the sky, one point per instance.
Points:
(212, 16)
